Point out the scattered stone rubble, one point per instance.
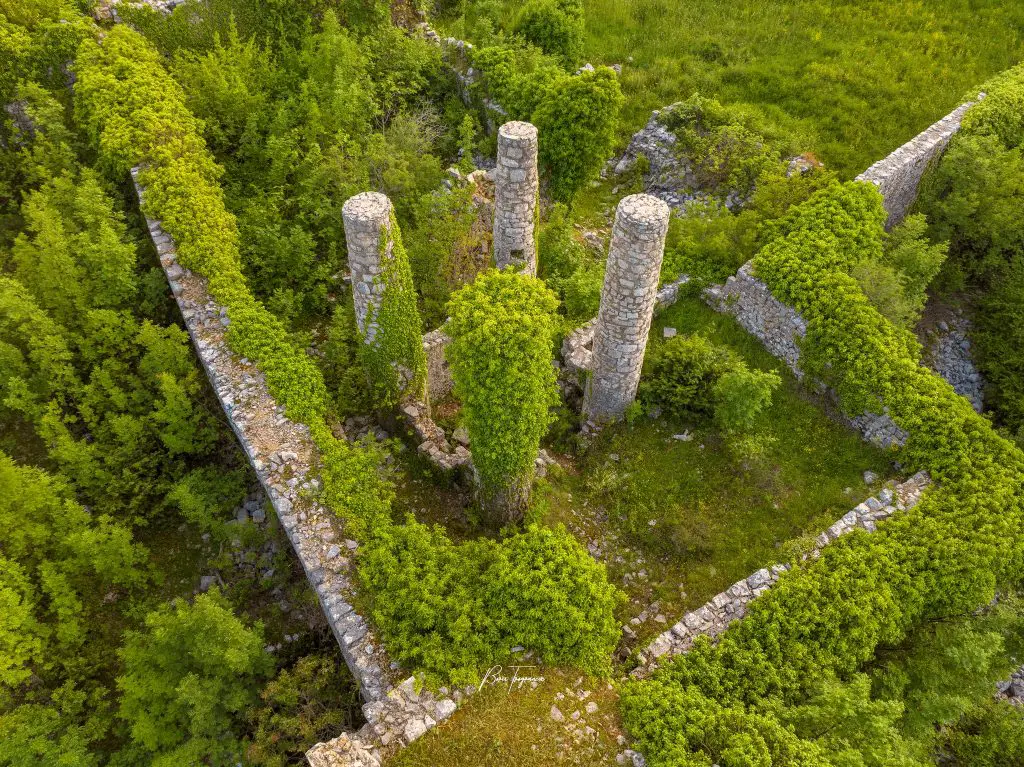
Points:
(1012, 689)
(713, 618)
(898, 175)
(669, 177)
(948, 353)
(283, 456)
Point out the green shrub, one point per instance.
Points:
(303, 704)
(689, 377)
(187, 681)
(502, 328)
(554, 26)
(681, 375)
(576, 124)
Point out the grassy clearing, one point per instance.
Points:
(678, 521)
(499, 727)
(858, 79)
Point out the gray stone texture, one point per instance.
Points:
(439, 376)
(898, 175)
(283, 456)
(515, 197)
(367, 218)
(948, 353)
(714, 617)
(781, 329)
(627, 304)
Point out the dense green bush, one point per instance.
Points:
(689, 377)
(568, 267)
(502, 328)
(554, 26)
(187, 681)
(463, 608)
(576, 124)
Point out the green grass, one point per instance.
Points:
(689, 518)
(857, 78)
(499, 727)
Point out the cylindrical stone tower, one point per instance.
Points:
(627, 304)
(515, 197)
(367, 219)
(385, 300)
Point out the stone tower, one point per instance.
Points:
(515, 197)
(627, 304)
(385, 300)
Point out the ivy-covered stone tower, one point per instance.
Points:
(385, 301)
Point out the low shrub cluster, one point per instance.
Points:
(690, 377)
(135, 114)
(823, 621)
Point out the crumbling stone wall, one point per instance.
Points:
(516, 193)
(781, 329)
(283, 457)
(714, 617)
(899, 175)
(627, 305)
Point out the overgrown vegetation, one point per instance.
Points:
(830, 616)
(972, 199)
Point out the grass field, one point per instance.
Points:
(857, 78)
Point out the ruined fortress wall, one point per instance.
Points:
(899, 175)
(283, 456)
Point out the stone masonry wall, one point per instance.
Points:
(284, 458)
(714, 617)
(898, 175)
(780, 328)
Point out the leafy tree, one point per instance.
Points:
(502, 329)
(554, 26)
(303, 704)
(896, 283)
(577, 121)
(188, 679)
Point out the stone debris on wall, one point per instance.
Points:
(898, 175)
(283, 457)
(106, 10)
(669, 177)
(627, 304)
(948, 352)
(781, 329)
(714, 617)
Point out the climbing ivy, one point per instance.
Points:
(502, 327)
(395, 362)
